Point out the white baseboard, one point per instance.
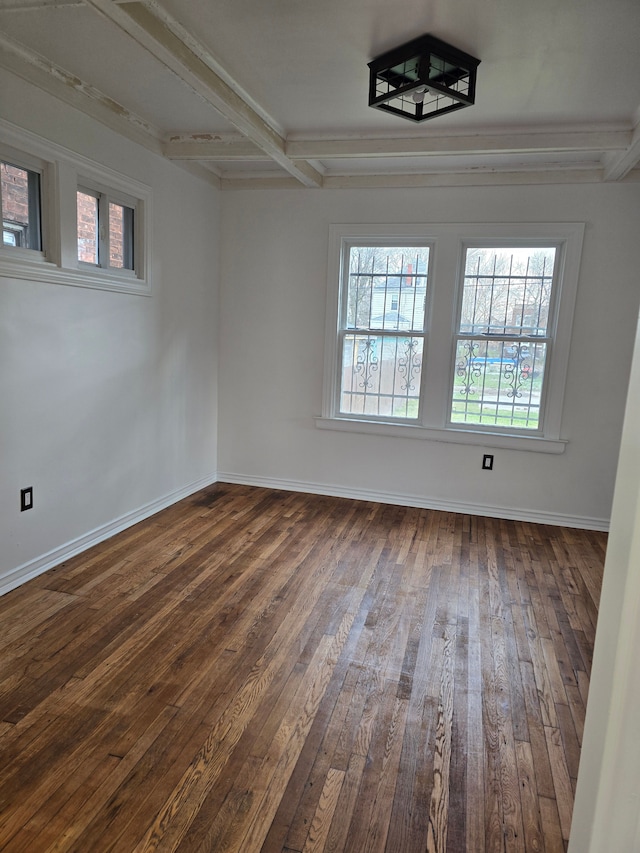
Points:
(13, 578)
(512, 513)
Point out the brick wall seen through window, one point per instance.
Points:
(15, 194)
(20, 195)
(89, 223)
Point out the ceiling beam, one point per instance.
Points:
(258, 183)
(211, 147)
(618, 167)
(461, 179)
(426, 146)
(35, 5)
(450, 179)
(51, 78)
(153, 29)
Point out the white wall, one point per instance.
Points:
(273, 280)
(108, 401)
(607, 807)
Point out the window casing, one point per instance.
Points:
(50, 177)
(485, 359)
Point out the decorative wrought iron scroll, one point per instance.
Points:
(411, 362)
(469, 368)
(514, 366)
(367, 362)
(516, 369)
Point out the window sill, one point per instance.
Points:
(40, 270)
(536, 444)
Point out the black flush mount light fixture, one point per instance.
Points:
(423, 79)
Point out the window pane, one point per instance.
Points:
(498, 383)
(87, 228)
(120, 236)
(507, 291)
(380, 375)
(387, 288)
(20, 192)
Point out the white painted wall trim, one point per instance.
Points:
(511, 513)
(62, 173)
(480, 437)
(15, 577)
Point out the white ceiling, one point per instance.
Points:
(274, 92)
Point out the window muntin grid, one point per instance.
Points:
(382, 331)
(503, 337)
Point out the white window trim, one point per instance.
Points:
(62, 171)
(447, 242)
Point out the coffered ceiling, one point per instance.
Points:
(274, 92)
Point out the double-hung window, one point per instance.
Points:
(503, 335)
(382, 332)
(451, 332)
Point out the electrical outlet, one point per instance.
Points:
(26, 498)
(487, 462)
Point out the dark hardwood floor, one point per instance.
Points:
(254, 670)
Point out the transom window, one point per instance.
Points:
(68, 220)
(105, 231)
(451, 331)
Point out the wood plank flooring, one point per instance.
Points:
(253, 670)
